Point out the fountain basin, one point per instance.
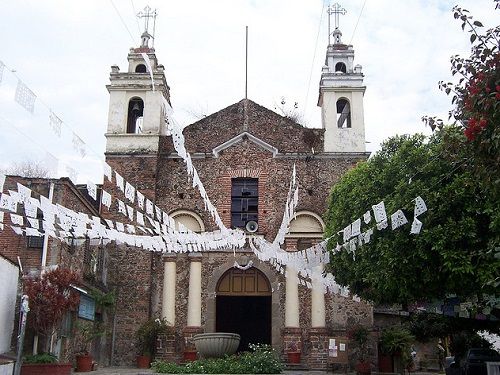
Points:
(216, 345)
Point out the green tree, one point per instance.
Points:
(454, 253)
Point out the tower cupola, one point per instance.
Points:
(341, 92)
(136, 116)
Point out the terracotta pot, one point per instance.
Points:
(83, 363)
(143, 361)
(190, 355)
(385, 363)
(363, 368)
(46, 368)
(293, 357)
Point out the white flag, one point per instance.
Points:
(107, 170)
(119, 181)
(25, 97)
(92, 189)
(420, 206)
(130, 192)
(416, 226)
(379, 212)
(106, 199)
(55, 123)
(398, 219)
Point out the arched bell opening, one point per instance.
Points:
(135, 115)
(141, 68)
(343, 113)
(340, 67)
(243, 306)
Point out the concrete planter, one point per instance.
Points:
(216, 345)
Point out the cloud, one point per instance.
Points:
(64, 50)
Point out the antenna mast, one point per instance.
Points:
(246, 63)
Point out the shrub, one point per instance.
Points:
(40, 358)
(261, 360)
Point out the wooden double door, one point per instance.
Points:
(243, 306)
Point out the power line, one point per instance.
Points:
(123, 22)
(313, 59)
(135, 15)
(355, 27)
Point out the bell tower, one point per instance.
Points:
(136, 117)
(341, 94)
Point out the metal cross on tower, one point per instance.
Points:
(337, 10)
(148, 13)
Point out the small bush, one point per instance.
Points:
(262, 360)
(40, 358)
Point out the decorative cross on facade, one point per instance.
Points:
(147, 13)
(337, 10)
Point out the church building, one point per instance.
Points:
(244, 154)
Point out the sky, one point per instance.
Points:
(63, 52)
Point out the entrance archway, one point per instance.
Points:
(243, 306)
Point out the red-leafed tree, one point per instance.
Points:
(50, 297)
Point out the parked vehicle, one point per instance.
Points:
(476, 358)
(451, 367)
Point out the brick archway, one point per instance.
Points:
(277, 292)
(243, 306)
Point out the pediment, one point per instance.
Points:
(242, 136)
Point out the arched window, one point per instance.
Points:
(141, 68)
(343, 114)
(307, 228)
(340, 67)
(135, 114)
(189, 219)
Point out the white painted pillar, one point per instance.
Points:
(169, 281)
(194, 297)
(318, 319)
(292, 299)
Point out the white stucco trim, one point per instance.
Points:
(194, 215)
(307, 233)
(259, 142)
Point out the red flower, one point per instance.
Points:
(474, 90)
(497, 95)
(469, 134)
(483, 123)
(497, 87)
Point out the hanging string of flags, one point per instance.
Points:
(67, 225)
(289, 213)
(157, 230)
(353, 238)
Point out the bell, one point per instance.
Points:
(136, 109)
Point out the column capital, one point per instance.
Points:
(170, 257)
(195, 257)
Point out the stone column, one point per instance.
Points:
(317, 299)
(165, 344)
(194, 297)
(292, 299)
(169, 281)
(291, 291)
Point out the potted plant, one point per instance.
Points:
(86, 332)
(51, 296)
(147, 335)
(396, 341)
(293, 352)
(44, 363)
(359, 338)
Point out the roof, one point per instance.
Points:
(249, 120)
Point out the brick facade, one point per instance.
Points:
(162, 177)
(75, 257)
